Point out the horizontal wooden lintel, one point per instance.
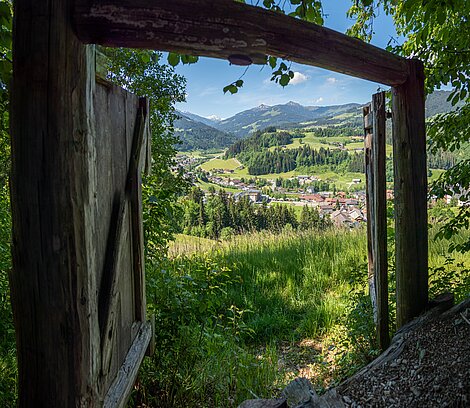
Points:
(224, 28)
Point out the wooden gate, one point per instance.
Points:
(122, 145)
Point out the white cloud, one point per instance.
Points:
(298, 78)
(318, 100)
(331, 80)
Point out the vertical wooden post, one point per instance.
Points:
(53, 184)
(375, 156)
(409, 160)
(369, 170)
(379, 234)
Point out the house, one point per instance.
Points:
(356, 215)
(341, 219)
(312, 197)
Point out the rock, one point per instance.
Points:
(300, 391)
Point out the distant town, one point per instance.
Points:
(344, 208)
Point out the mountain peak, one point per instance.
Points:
(292, 103)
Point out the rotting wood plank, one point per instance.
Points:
(223, 28)
(410, 181)
(108, 291)
(375, 156)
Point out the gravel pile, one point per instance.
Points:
(432, 371)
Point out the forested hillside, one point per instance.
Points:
(195, 135)
(256, 154)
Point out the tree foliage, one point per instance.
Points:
(218, 215)
(438, 33)
(141, 72)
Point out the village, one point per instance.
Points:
(345, 208)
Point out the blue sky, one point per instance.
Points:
(311, 85)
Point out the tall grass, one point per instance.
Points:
(291, 288)
(295, 285)
(226, 310)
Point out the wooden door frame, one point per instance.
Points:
(53, 284)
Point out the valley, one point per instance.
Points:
(305, 156)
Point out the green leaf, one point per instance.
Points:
(189, 59)
(146, 58)
(441, 16)
(173, 59)
(272, 62)
(231, 88)
(268, 3)
(239, 83)
(284, 80)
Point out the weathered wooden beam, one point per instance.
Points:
(121, 388)
(139, 152)
(52, 193)
(370, 205)
(409, 160)
(379, 232)
(223, 28)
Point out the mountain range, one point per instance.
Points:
(200, 133)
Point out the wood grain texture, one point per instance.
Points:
(121, 388)
(71, 144)
(409, 162)
(52, 190)
(370, 205)
(120, 137)
(379, 232)
(140, 149)
(224, 27)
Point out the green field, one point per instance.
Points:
(435, 173)
(205, 186)
(342, 181)
(328, 143)
(221, 164)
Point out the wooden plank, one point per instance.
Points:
(134, 191)
(379, 231)
(375, 156)
(223, 28)
(118, 255)
(121, 388)
(109, 286)
(53, 182)
(370, 205)
(409, 162)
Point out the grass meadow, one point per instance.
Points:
(239, 319)
(282, 306)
